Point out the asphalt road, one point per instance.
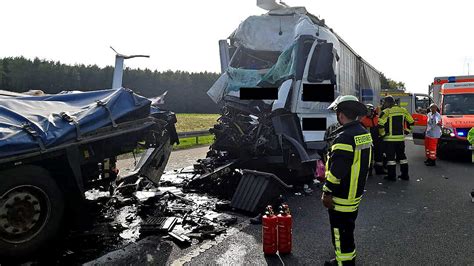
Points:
(178, 159)
(428, 220)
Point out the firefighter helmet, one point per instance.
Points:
(348, 103)
(389, 99)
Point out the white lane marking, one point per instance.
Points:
(208, 245)
(233, 256)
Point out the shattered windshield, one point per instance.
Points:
(458, 104)
(251, 59)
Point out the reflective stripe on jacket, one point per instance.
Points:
(347, 166)
(392, 123)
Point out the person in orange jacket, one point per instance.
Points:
(370, 121)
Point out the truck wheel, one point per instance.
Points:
(31, 211)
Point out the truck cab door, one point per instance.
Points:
(421, 105)
(315, 91)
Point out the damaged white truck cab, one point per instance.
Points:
(290, 53)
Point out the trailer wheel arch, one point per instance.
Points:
(31, 210)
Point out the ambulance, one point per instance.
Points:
(455, 98)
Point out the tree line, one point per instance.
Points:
(389, 84)
(186, 91)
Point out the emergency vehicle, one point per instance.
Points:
(417, 105)
(455, 98)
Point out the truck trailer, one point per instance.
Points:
(56, 147)
(280, 72)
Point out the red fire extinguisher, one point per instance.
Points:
(269, 232)
(284, 230)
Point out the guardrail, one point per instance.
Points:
(194, 134)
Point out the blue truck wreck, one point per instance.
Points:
(54, 148)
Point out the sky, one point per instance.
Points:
(407, 40)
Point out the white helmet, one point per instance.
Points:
(349, 103)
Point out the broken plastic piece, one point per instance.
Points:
(158, 224)
(181, 239)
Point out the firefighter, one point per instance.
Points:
(470, 139)
(346, 173)
(392, 129)
(433, 133)
(370, 121)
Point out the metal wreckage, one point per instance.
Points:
(281, 71)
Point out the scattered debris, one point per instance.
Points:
(95, 194)
(158, 225)
(181, 239)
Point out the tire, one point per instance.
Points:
(31, 211)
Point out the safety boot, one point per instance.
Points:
(392, 173)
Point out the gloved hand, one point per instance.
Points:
(327, 201)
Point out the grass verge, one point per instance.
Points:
(187, 143)
(195, 122)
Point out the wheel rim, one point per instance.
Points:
(24, 211)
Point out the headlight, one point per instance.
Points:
(448, 131)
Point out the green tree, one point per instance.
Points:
(389, 84)
(187, 92)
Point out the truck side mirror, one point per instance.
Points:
(321, 64)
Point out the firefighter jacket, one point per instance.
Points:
(470, 136)
(393, 122)
(347, 166)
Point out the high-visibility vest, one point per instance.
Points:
(392, 123)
